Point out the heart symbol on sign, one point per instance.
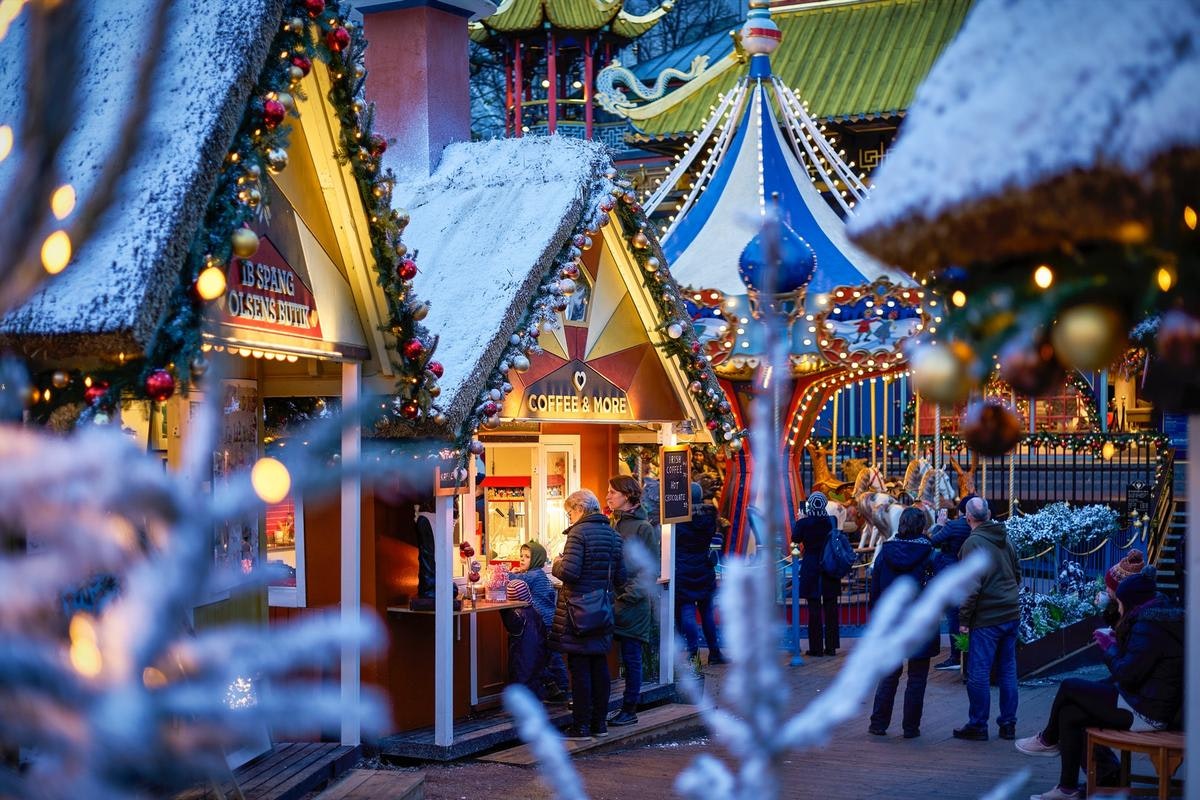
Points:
(579, 379)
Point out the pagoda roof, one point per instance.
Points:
(850, 59)
(521, 16)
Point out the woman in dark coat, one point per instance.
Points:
(820, 592)
(909, 553)
(696, 577)
(634, 620)
(1145, 656)
(591, 560)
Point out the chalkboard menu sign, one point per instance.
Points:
(675, 491)
(451, 478)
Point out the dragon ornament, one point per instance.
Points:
(612, 98)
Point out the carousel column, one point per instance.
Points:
(443, 621)
(518, 90)
(1191, 762)
(666, 608)
(874, 461)
(1102, 397)
(351, 587)
(834, 431)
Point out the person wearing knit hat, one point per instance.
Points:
(526, 638)
(820, 591)
(1145, 656)
(1137, 590)
(1133, 563)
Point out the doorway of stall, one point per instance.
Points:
(525, 485)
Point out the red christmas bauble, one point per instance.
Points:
(473, 577)
(696, 347)
(413, 348)
(435, 367)
(314, 7)
(712, 424)
(338, 39)
(377, 145)
(273, 113)
(94, 392)
(160, 385)
(409, 410)
(1029, 365)
(407, 269)
(490, 408)
(302, 63)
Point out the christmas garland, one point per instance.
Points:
(610, 194)
(311, 29)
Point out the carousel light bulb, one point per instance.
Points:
(1166, 278)
(959, 298)
(1043, 276)
(1189, 213)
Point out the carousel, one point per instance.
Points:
(848, 316)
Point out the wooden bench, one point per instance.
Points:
(1163, 748)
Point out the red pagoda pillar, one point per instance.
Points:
(518, 87)
(552, 80)
(588, 79)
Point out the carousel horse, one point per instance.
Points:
(966, 478)
(824, 480)
(912, 476)
(872, 502)
(935, 492)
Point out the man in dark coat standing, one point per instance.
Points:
(820, 591)
(591, 563)
(947, 538)
(991, 615)
(696, 577)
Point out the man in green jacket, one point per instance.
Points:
(991, 615)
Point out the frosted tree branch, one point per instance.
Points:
(534, 728)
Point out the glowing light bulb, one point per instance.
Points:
(1166, 278)
(1043, 276)
(959, 298)
(270, 479)
(1189, 213)
(62, 202)
(6, 141)
(56, 252)
(211, 283)
(85, 654)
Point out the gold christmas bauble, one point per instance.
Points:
(401, 218)
(944, 373)
(245, 242)
(60, 379)
(420, 311)
(1089, 336)
(401, 249)
(640, 241)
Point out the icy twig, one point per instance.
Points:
(534, 728)
(1009, 787)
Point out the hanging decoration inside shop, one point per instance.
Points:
(612, 198)
(312, 30)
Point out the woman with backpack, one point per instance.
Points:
(909, 552)
(820, 591)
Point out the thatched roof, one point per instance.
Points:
(488, 224)
(112, 296)
(1044, 123)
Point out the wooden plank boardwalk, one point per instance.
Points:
(376, 784)
(852, 765)
(289, 772)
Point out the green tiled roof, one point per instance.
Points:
(516, 16)
(848, 60)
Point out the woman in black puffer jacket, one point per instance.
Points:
(696, 577)
(591, 560)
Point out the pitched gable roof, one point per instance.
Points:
(113, 294)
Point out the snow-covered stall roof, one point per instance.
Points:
(487, 225)
(114, 292)
(1042, 123)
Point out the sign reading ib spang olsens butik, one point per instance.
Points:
(266, 293)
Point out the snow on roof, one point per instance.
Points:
(113, 294)
(486, 226)
(1028, 94)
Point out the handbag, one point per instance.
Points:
(590, 613)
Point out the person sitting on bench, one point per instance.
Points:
(1145, 656)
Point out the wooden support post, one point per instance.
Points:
(443, 621)
(666, 617)
(351, 546)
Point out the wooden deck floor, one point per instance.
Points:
(289, 772)
(853, 764)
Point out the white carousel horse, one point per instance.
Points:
(912, 475)
(872, 502)
(936, 492)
